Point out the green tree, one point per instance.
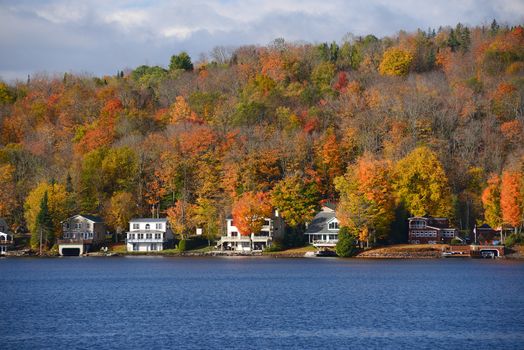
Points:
(346, 245)
(181, 61)
(43, 226)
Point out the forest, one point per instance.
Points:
(423, 123)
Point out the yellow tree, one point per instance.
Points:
(396, 62)
(57, 203)
(7, 190)
(422, 185)
(491, 202)
(122, 208)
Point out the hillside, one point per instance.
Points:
(283, 121)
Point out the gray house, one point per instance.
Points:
(322, 232)
(81, 233)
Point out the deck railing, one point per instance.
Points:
(75, 241)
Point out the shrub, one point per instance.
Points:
(513, 239)
(346, 245)
(456, 241)
(182, 245)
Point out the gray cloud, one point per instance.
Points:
(101, 37)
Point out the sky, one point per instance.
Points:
(101, 37)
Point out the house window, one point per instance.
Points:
(333, 225)
(149, 235)
(136, 226)
(157, 235)
(148, 226)
(135, 247)
(78, 225)
(131, 236)
(140, 236)
(158, 226)
(234, 234)
(267, 222)
(153, 246)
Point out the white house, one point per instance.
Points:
(322, 232)
(80, 234)
(273, 228)
(6, 239)
(148, 235)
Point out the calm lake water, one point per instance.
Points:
(250, 303)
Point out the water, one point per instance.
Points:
(248, 303)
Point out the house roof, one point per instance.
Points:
(320, 223)
(92, 218)
(485, 227)
(148, 220)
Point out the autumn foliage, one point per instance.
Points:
(286, 125)
(250, 211)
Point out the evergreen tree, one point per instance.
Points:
(44, 226)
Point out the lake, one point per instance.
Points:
(254, 303)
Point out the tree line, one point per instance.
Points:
(422, 123)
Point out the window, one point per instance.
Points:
(157, 236)
(153, 246)
(140, 236)
(148, 226)
(267, 222)
(78, 225)
(135, 247)
(234, 234)
(136, 226)
(158, 226)
(149, 235)
(333, 225)
(131, 236)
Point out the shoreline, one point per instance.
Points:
(370, 255)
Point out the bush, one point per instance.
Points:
(346, 245)
(276, 246)
(513, 239)
(182, 245)
(456, 241)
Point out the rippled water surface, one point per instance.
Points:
(249, 303)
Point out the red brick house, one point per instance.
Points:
(429, 230)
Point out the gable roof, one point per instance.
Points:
(320, 223)
(92, 218)
(148, 220)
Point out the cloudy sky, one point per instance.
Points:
(102, 36)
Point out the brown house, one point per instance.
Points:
(429, 230)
